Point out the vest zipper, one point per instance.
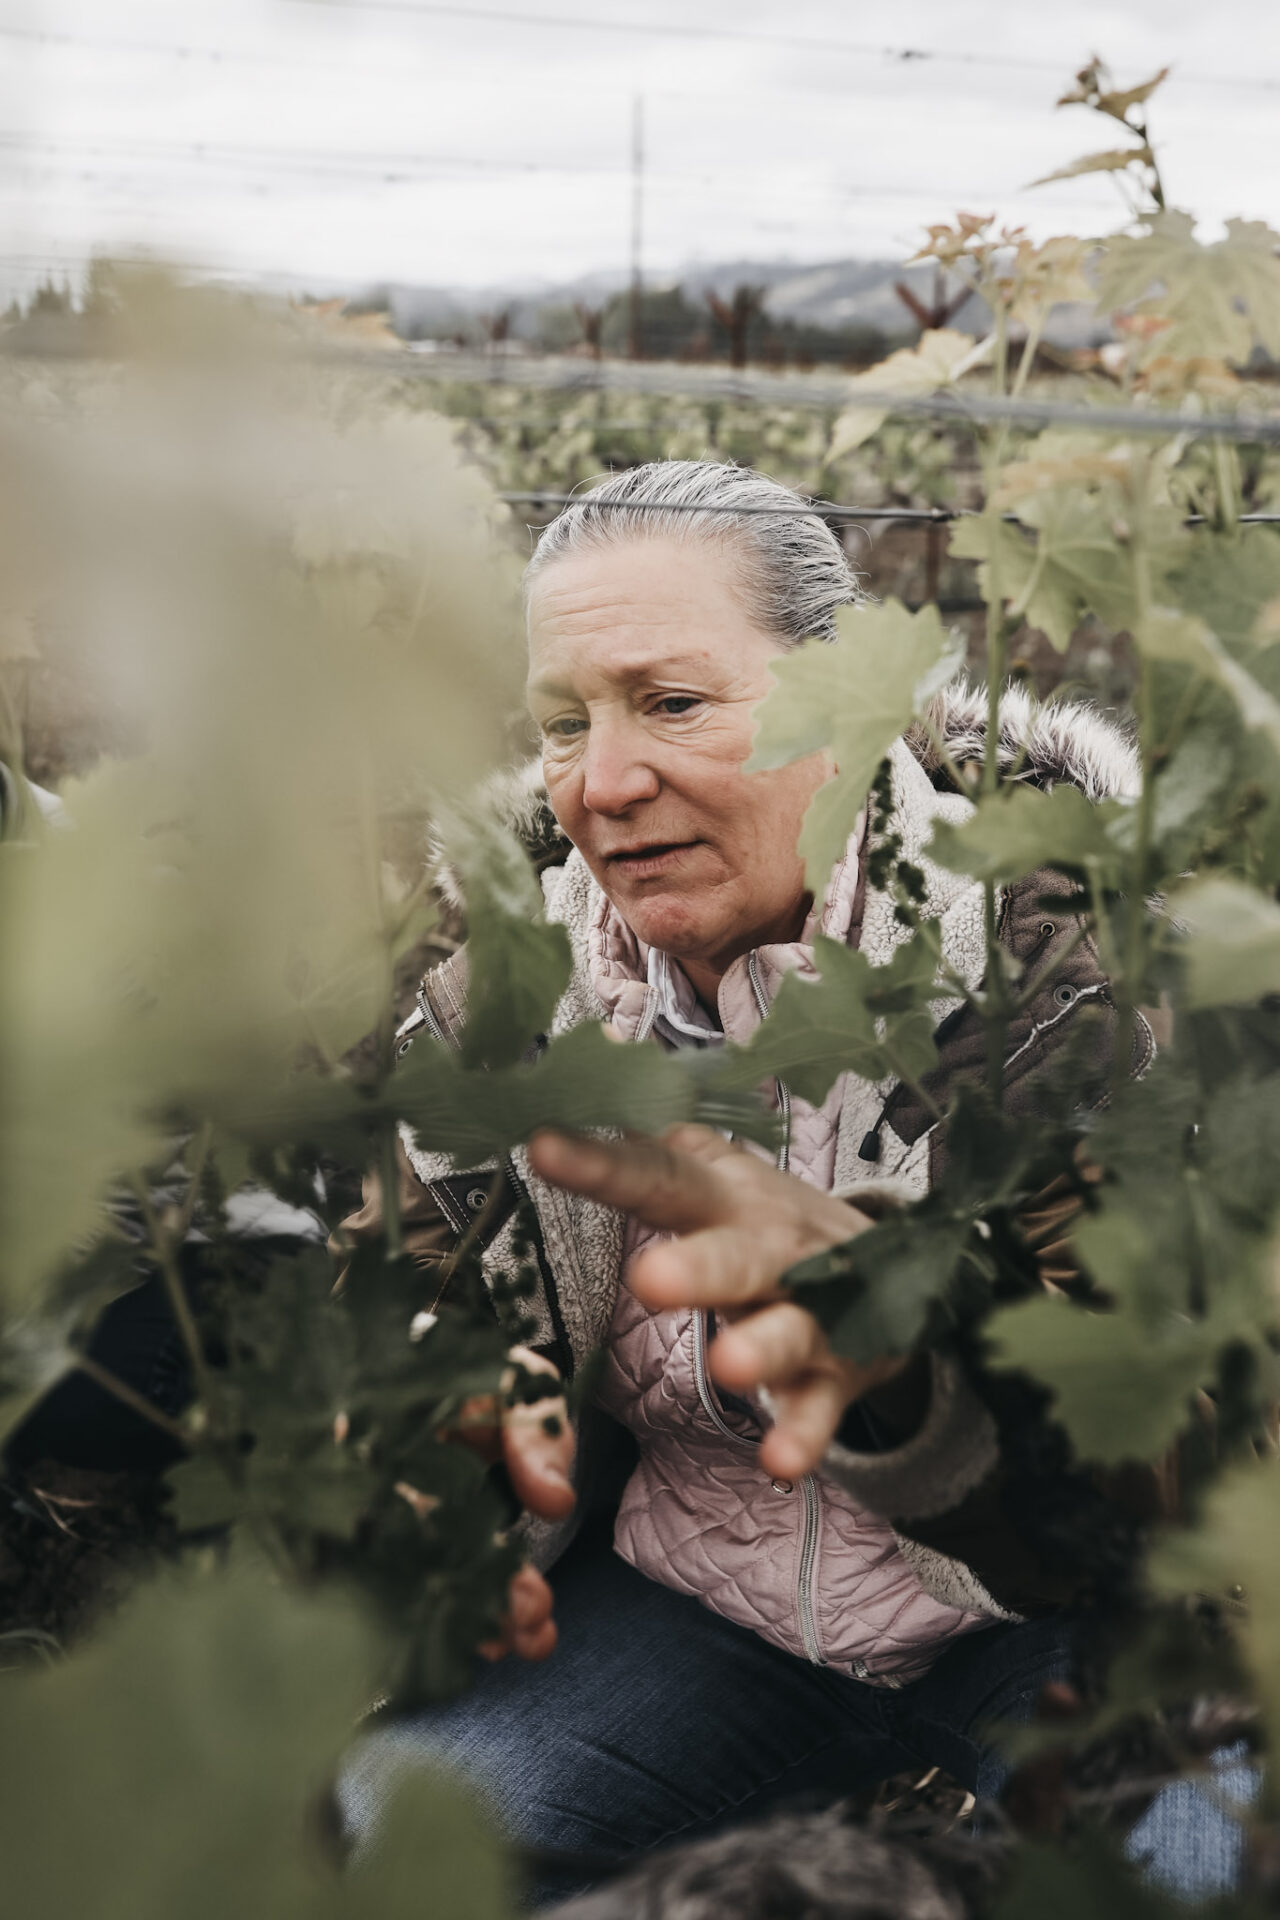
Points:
(647, 1018)
(809, 1492)
(804, 1581)
(703, 1384)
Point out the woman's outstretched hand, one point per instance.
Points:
(737, 1225)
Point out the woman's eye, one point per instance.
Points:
(676, 703)
(565, 727)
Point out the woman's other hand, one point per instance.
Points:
(535, 1442)
(738, 1225)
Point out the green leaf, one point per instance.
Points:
(938, 358)
(872, 1296)
(1073, 568)
(35, 1353)
(1236, 1544)
(518, 964)
(582, 1080)
(1021, 828)
(1121, 1390)
(1227, 581)
(874, 1022)
(1233, 950)
(1216, 297)
(1057, 1883)
(192, 1739)
(853, 697)
(1167, 634)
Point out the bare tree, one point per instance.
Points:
(735, 316)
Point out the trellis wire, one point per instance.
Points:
(825, 509)
(805, 391)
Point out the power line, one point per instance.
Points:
(401, 168)
(683, 30)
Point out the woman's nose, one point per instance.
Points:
(616, 772)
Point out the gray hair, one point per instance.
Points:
(794, 570)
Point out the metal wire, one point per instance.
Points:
(825, 509)
(817, 392)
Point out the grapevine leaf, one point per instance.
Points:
(1074, 567)
(582, 1080)
(191, 1737)
(871, 1021)
(939, 357)
(1233, 950)
(1228, 583)
(518, 963)
(1117, 101)
(1114, 160)
(1214, 297)
(1021, 828)
(853, 697)
(1169, 635)
(1235, 1544)
(35, 1353)
(872, 1295)
(1120, 1390)
(1055, 1883)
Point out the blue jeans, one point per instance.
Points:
(655, 1718)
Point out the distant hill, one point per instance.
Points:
(835, 294)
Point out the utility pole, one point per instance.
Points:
(637, 219)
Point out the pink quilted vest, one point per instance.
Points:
(801, 1563)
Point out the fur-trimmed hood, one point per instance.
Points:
(1043, 743)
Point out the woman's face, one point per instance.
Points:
(644, 672)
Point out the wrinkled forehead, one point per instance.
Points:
(639, 608)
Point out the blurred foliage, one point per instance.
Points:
(297, 582)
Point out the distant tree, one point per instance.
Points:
(590, 319)
(735, 316)
(941, 310)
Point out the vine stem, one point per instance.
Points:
(388, 1167)
(1135, 946)
(995, 1006)
(162, 1245)
(130, 1397)
(921, 1092)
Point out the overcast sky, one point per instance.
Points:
(344, 142)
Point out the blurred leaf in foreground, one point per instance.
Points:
(855, 1018)
(854, 697)
(190, 1746)
(1236, 1545)
(1020, 829)
(518, 964)
(1233, 952)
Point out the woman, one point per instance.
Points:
(823, 1593)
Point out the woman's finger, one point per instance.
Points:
(808, 1415)
(527, 1626)
(659, 1184)
(538, 1448)
(720, 1266)
(537, 1642)
(768, 1348)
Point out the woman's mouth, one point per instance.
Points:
(646, 863)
